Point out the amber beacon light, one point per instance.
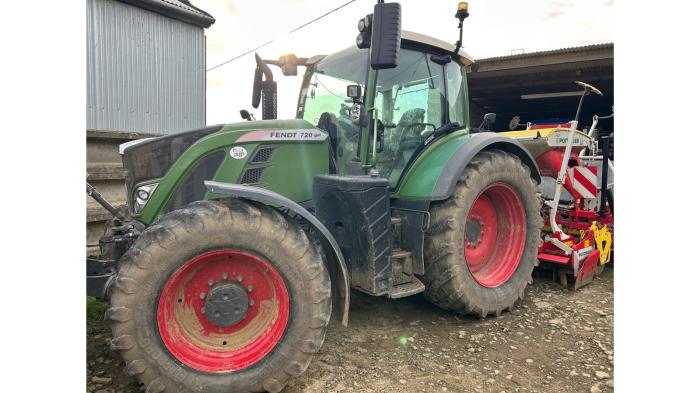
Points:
(462, 10)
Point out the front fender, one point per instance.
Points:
(341, 279)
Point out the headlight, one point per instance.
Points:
(142, 195)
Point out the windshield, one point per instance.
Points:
(324, 101)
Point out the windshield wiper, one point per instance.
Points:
(443, 130)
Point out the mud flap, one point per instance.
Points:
(589, 269)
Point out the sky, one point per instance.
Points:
(494, 28)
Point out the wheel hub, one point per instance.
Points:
(226, 304)
(473, 231)
(223, 310)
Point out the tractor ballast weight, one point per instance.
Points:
(237, 239)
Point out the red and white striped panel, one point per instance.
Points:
(584, 180)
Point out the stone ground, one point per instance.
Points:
(557, 340)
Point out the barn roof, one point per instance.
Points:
(177, 9)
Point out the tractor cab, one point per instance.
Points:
(425, 92)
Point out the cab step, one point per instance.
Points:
(410, 288)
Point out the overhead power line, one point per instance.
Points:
(289, 32)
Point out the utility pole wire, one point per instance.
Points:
(289, 32)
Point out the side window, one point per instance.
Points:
(456, 93)
(410, 100)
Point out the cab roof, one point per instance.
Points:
(420, 39)
(435, 43)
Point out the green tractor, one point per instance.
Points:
(239, 240)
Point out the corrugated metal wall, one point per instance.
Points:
(145, 71)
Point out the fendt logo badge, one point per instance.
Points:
(306, 135)
(239, 152)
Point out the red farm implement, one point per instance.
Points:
(577, 191)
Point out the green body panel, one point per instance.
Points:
(290, 172)
(419, 181)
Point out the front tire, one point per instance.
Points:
(481, 246)
(220, 297)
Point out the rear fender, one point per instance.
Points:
(477, 143)
(338, 268)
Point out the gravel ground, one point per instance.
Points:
(557, 340)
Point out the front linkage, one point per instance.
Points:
(120, 233)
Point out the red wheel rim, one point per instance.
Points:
(494, 235)
(205, 346)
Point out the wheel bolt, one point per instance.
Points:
(250, 288)
(239, 278)
(202, 295)
(210, 283)
(251, 302)
(224, 277)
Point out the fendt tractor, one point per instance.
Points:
(238, 241)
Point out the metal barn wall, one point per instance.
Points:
(145, 71)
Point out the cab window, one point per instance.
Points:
(411, 103)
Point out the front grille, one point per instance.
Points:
(252, 176)
(262, 155)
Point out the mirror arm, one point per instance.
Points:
(263, 67)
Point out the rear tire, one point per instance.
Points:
(481, 246)
(143, 313)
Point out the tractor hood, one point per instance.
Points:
(172, 168)
(152, 157)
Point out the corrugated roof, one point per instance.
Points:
(177, 9)
(572, 49)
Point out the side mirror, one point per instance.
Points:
(489, 119)
(386, 36)
(257, 85)
(265, 90)
(354, 92)
(245, 115)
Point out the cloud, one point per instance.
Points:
(557, 9)
(231, 8)
(215, 45)
(215, 83)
